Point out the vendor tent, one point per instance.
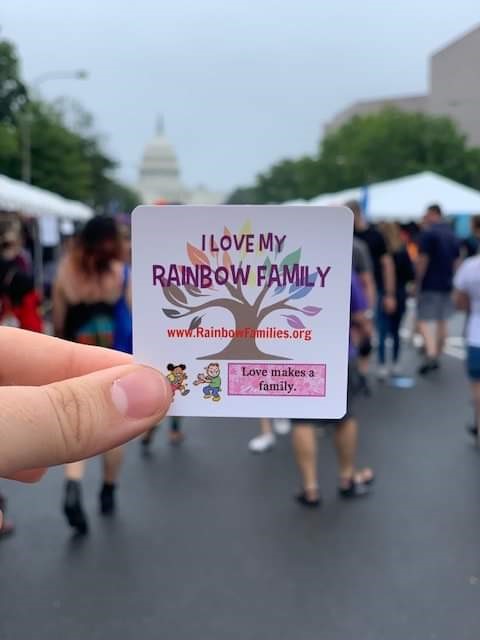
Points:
(35, 202)
(406, 198)
(295, 203)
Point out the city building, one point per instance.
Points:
(160, 178)
(454, 89)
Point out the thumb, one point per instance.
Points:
(78, 418)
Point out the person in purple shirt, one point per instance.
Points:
(351, 482)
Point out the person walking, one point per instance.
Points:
(389, 323)
(19, 302)
(91, 299)
(467, 298)
(436, 263)
(383, 267)
(362, 266)
(352, 483)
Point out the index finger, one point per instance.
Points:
(28, 358)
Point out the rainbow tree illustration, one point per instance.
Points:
(190, 301)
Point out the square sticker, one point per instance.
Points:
(245, 309)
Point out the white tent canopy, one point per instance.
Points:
(293, 203)
(33, 201)
(406, 198)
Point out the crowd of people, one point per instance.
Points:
(90, 306)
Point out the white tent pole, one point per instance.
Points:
(37, 257)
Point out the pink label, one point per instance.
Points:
(281, 379)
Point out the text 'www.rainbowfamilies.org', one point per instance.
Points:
(245, 333)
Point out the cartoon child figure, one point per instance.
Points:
(177, 377)
(212, 380)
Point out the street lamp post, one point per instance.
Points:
(26, 146)
(26, 116)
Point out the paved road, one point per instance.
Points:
(208, 542)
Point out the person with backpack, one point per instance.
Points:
(91, 306)
(19, 302)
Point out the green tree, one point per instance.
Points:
(368, 149)
(67, 154)
(13, 93)
(286, 180)
(391, 144)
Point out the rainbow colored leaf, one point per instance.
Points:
(294, 322)
(197, 256)
(195, 323)
(292, 258)
(171, 313)
(311, 311)
(301, 292)
(174, 295)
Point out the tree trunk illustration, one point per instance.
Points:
(243, 348)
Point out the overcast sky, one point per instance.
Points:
(241, 83)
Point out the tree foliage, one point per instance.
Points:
(67, 154)
(13, 92)
(192, 301)
(368, 149)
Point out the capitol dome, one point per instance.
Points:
(159, 172)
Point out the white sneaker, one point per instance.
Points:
(261, 443)
(382, 372)
(281, 426)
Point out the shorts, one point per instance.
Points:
(434, 306)
(473, 363)
(352, 390)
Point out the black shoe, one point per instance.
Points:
(107, 499)
(472, 430)
(355, 489)
(146, 447)
(146, 442)
(73, 509)
(7, 527)
(305, 501)
(364, 385)
(431, 364)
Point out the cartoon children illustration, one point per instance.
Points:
(177, 377)
(212, 380)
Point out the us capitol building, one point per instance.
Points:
(160, 180)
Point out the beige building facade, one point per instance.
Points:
(454, 89)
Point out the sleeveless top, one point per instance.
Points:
(92, 324)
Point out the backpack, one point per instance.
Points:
(122, 318)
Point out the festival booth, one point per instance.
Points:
(405, 199)
(47, 215)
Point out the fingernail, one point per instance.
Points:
(141, 394)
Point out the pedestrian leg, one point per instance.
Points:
(305, 451)
(442, 335)
(352, 484)
(112, 462)
(176, 435)
(475, 386)
(72, 501)
(346, 446)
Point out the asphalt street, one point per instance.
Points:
(208, 542)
